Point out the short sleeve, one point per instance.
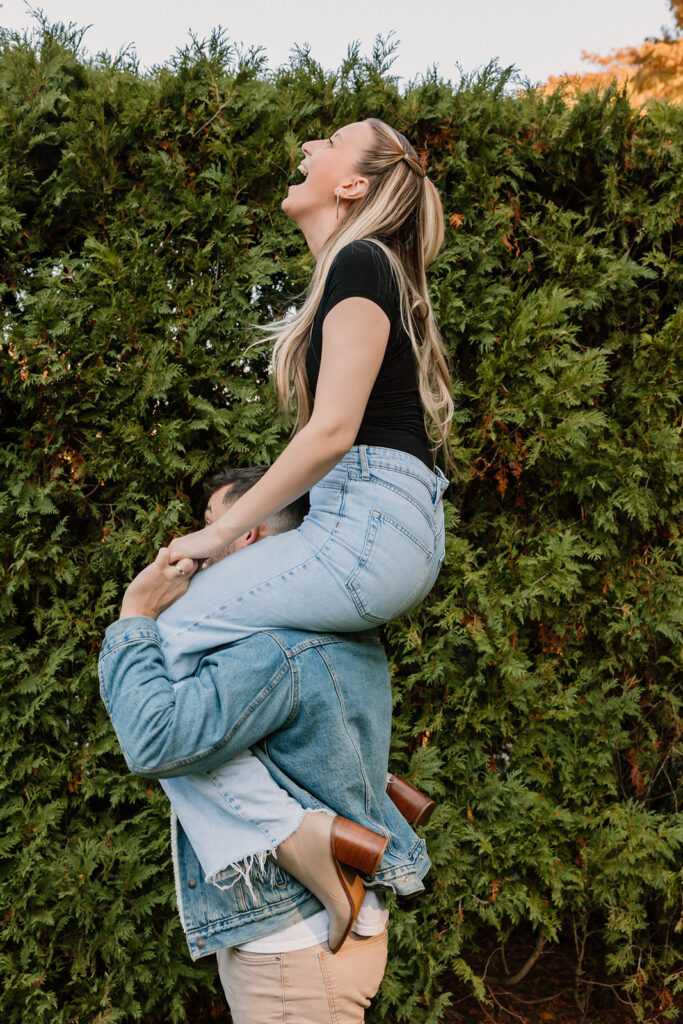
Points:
(361, 269)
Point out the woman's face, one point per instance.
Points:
(329, 166)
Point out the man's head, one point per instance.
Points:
(226, 486)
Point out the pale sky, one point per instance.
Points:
(541, 37)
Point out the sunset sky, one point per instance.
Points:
(540, 37)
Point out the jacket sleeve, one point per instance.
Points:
(239, 695)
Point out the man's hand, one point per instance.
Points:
(157, 586)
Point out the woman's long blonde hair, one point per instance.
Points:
(402, 213)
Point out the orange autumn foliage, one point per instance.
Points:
(653, 70)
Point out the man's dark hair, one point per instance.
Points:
(240, 479)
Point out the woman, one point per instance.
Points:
(367, 369)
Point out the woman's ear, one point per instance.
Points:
(353, 188)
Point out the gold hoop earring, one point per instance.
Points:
(337, 206)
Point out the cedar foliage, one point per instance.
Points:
(537, 690)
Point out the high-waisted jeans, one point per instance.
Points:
(369, 550)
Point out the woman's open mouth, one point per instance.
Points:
(297, 176)
(300, 175)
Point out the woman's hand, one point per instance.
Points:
(157, 586)
(206, 543)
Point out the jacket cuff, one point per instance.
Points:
(125, 631)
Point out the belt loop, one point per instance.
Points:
(364, 467)
(440, 484)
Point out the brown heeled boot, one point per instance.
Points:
(325, 854)
(415, 806)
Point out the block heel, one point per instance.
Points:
(415, 806)
(356, 846)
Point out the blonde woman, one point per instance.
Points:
(364, 362)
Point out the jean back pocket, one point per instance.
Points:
(392, 570)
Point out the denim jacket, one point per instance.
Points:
(314, 708)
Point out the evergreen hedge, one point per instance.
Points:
(537, 691)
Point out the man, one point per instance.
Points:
(304, 693)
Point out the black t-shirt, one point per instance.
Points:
(393, 417)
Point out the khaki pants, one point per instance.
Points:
(306, 986)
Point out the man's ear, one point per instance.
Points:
(354, 188)
(256, 533)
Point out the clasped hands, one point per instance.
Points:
(168, 576)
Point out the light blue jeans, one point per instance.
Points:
(369, 550)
